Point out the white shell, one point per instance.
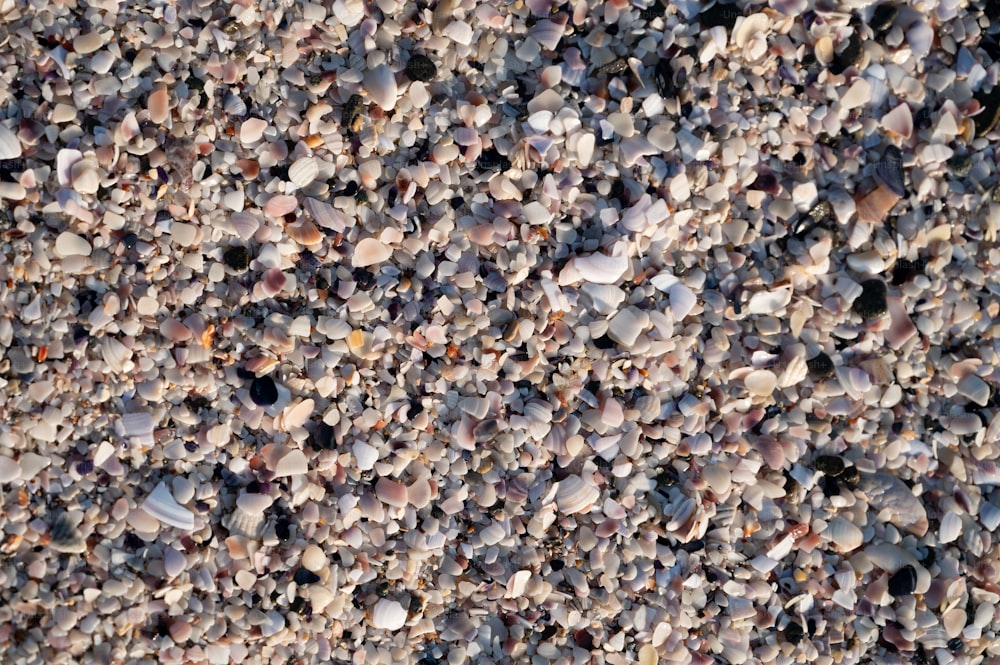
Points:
(748, 26)
(161, 505)
(325, 215)
(303, 171)
(682, 301)
(70, 244)
(794, 372)
(769, 302)
(10, 145)
(391, 492)
(248, 518)
(844, 535)
(369, 252)
(601, 268)
(899, 120)
(245, 224)
(381, 85)
(388, 615)
(761, 382)
(291, 464)
(950, 528)
(575, 495)
(547, 33)
(234, 105)
(138, 427)
(890, 495)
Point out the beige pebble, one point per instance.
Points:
(184, 235)
(180, 630)
(314, 559)
(88, 43)
(252, 130)
(245, 579)
(70, 244)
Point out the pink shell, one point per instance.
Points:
(274, 280)
(281, 205)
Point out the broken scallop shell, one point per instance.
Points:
(575, 495)
(162, 505)
(844, 535)
(248, 518)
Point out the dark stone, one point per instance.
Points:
(955, 644)
(889, 171)
(719, 14)
(382, 589)
(694, 546)
(263, 391)
(883, 18)
(766, 182)
(282, 529)
(871, 304)
(850, 55)
(547, 632)
(584, 639)
(303, 576)
(604, 342)
(351, 118)
(420, 68)
(322, 437)
(987, 119)
(557, 564)
(794, 633)
(831, 465)
(237, 258)
(960, 165)
(849, 477)
(903, 581)
(492, 160)
(903, 271)
(821, 366)
(830, 486)
(85, 467)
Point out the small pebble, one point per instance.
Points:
(903, 582)
(420, 68)
(263, 391)
(872, 303)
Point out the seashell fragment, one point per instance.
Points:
(369, 252)
(748, 26)
(575, 495)
(381, 85)
(889, 171)
(950, 528)
(391, 492)
(304, 232)
(10, 145)
(292, 463)
(303, 171)
(761, 382)
(158, 106)
(896, 502)
(874, 206)
(248, 518)
(162, 505)
(899, 121)
(600, 268)
(844, 535)
(70, 244)
(388, 615)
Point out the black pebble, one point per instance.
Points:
(831, 465)
(830, 486)
(850, 55)
(130, 240)
(281, 529)
(903, 581)
(492, 160)
(263, 392)
(719, 15)
(955, 644)
(821, 366)
(303, 576)
(420, 68)
(604, 342)
(883, 18)
(557, 564)
(237, 258)
(871, 304)
(794, 633)
(849, 477)
(663, 75)
(322, 437)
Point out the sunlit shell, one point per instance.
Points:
(325, 215)
(575, 495)
(601, 268)
(304, 232)
(380, 83)
(303, 171)
(843, 534)
(369, 252)
(748, 26)
(761, 382)
(281, 205)
(892, 498)
(162, 505)
(248, 518)
(794, 372)
(159, 106)
(245, 224)
(234, 105)
(874, 206)
(10, 145)
(388, 615)
(950, 528)
(391, 492)
(899, 121)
